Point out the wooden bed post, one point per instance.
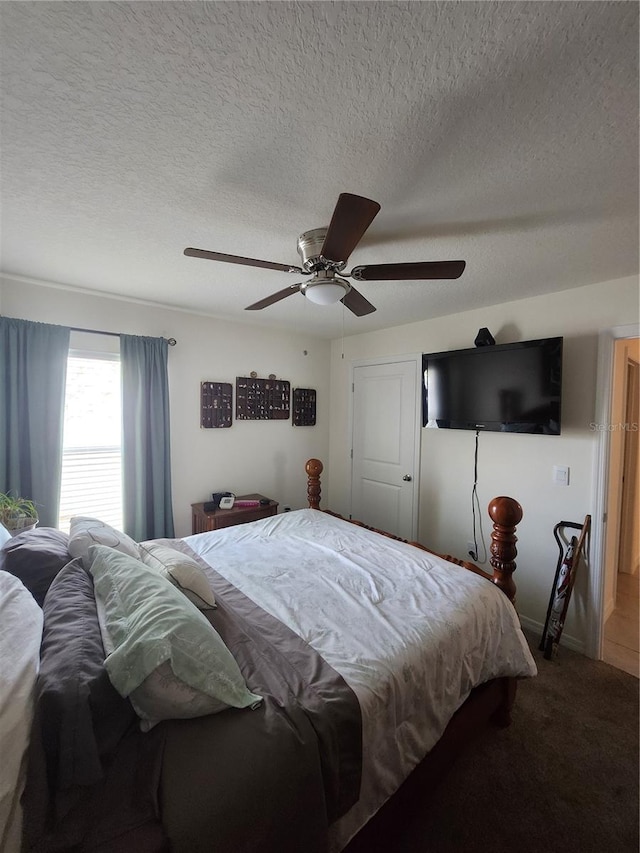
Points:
(505, 513)
(313, 468)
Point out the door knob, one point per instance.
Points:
(407, 478)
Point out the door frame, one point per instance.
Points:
(630, 460)
(372, 362)
(604, 393)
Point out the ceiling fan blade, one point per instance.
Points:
(356, 303)
(352, 215)
(237, 259)
(275, 297)
(410, 272)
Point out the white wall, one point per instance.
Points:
(511, 464)
(252, 456)
(269, 457)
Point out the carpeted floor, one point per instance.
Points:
(563, 777)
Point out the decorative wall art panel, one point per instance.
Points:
(216, 407)
(304, 406)
(262, 399)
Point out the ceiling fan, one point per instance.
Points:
(324, 253)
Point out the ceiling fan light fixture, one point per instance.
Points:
(324, 292)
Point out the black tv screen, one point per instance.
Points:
(505, 388)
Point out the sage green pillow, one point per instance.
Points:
(149, 622)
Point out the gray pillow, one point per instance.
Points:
(36, 556)
(81, 716)
(148, 623)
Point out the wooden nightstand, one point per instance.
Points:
(202, 521)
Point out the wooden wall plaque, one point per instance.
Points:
(262, 399)
(215, 405)
(304, 406)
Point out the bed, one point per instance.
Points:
(346, 662)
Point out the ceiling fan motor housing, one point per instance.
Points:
(310, 250)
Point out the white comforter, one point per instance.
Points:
(409, 632)
(20, 637)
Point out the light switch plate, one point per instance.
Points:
(561, 475)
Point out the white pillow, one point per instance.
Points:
(164, 696)
(20, 638)
(181, 570)
(85, 532)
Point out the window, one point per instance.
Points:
(92, 444)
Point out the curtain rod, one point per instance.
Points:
(171, 341)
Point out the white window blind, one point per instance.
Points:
(92, 456)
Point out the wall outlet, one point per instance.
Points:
(471, 550)
(286, 508)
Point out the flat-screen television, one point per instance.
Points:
(501, 388)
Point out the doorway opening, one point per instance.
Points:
(621, 600)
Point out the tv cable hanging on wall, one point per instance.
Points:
(475, 505)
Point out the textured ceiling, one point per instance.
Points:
(502, 133)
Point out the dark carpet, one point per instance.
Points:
(563, 777)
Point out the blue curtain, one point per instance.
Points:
(33, 371)
(146, 458)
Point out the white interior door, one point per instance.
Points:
(385, 452)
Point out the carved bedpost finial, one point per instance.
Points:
(313, 468)
(505, 513)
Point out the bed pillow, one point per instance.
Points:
(162, 692)
(80, 715)
(36, 556)
(20, 636)
(164, 696)
(85, 532)
(181, 570)
(150, 623)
